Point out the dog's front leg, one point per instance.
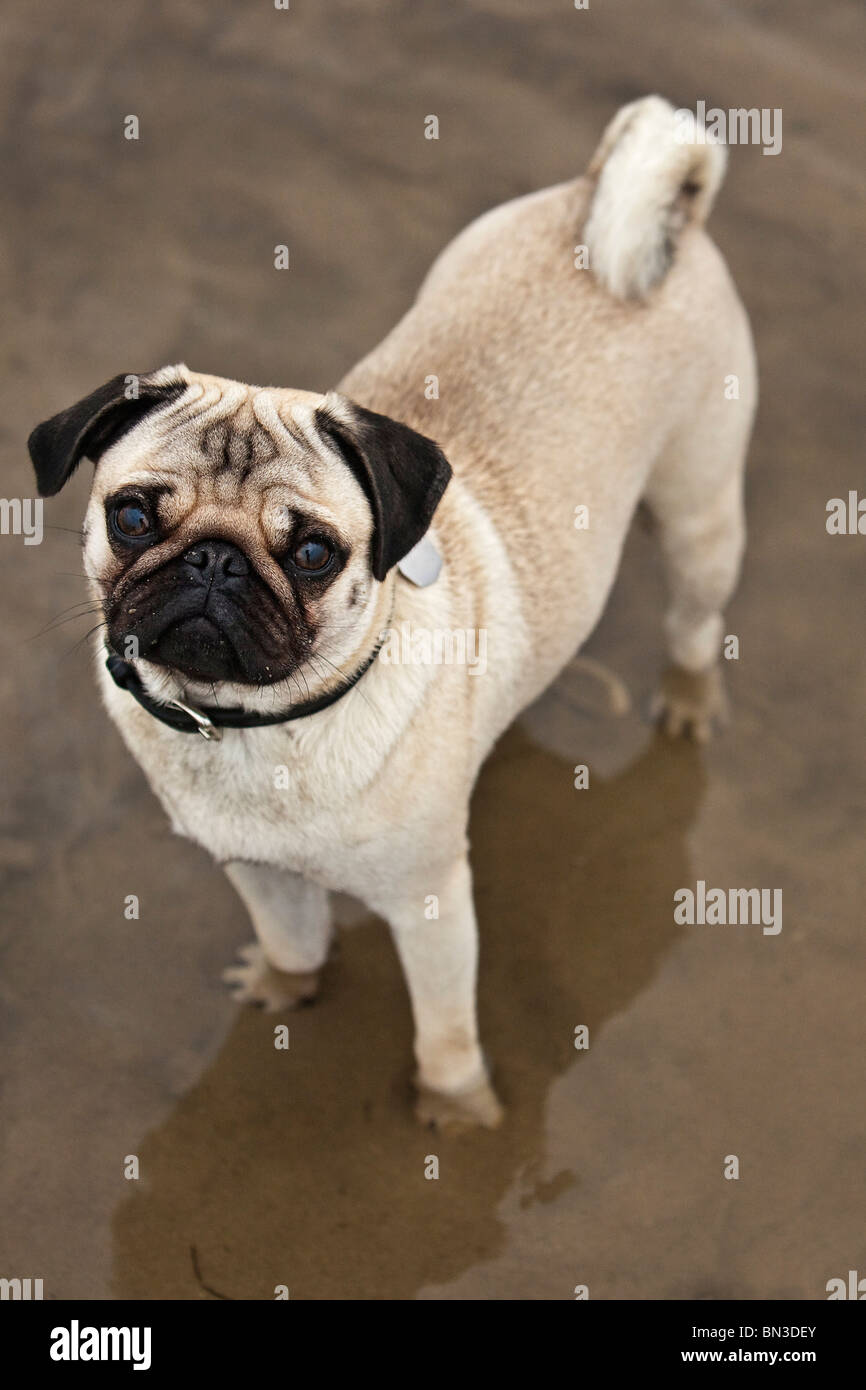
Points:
(436, 937)
(292, 921)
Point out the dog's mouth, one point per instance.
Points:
(199, 649)
(209, 622)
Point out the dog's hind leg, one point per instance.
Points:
(292, 921)
(695, 494)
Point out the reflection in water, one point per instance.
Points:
(305, 1168)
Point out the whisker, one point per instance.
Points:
(61, 621)
(80, 603)
(317, 656)
(82, 640)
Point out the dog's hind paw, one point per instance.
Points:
(690, 703)
(258, 983)
(452, 1114)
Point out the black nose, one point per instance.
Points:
(217, 562)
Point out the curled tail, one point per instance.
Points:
(655, 173)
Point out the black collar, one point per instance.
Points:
(189, 719)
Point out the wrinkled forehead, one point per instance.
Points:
(226, 443)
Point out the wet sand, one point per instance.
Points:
(261, 1167)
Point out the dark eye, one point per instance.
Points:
(313, 554)
(131, 521)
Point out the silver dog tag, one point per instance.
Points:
(422, 565)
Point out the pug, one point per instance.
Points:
(254, 551)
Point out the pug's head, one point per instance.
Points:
(240, 536)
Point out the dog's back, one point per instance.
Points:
(574, 334)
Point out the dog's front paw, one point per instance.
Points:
(256, 982)
(453, 1113)
(690, 702)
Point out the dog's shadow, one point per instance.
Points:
(304, 1167)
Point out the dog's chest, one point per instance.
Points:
(253, 798)
(304, 798)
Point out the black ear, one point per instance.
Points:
(403, 473)
(87, 429)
